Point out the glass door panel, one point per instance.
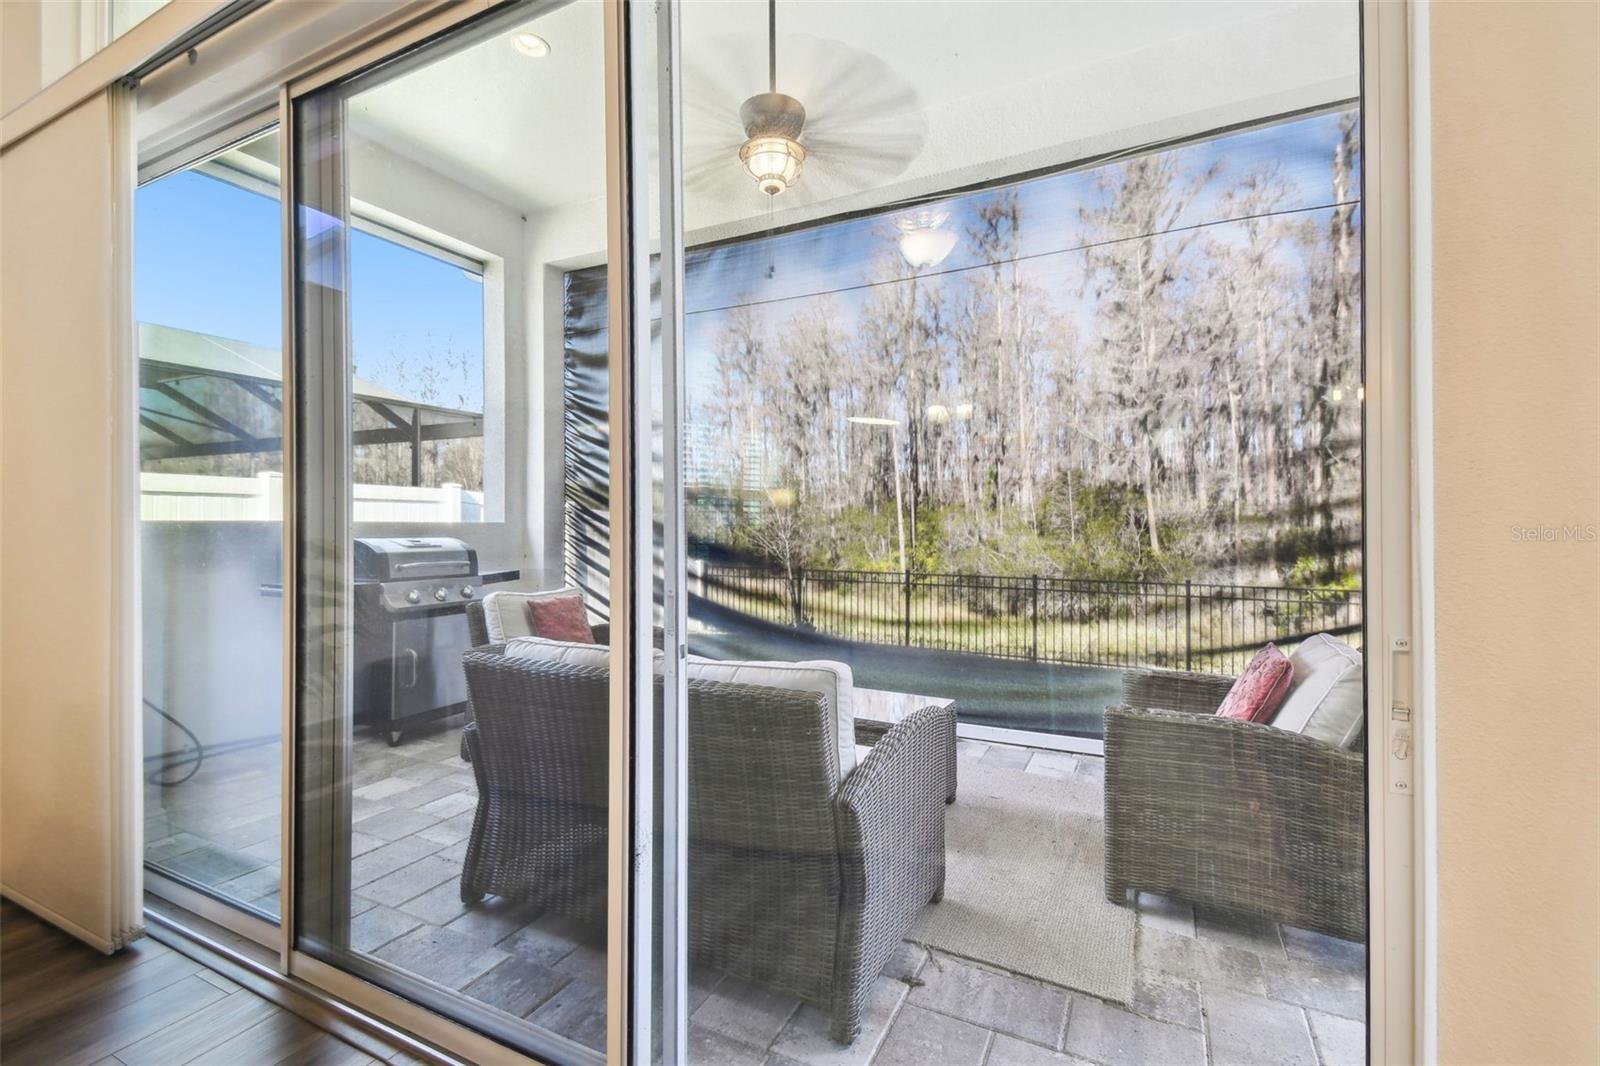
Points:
(452, 781)
(1023, 365)
(208, 288)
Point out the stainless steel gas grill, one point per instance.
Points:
(411, 596)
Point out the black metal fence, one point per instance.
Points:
(1188, 625)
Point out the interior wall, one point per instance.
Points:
(1516, 382)
(388, 180)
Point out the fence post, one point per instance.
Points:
(905, 576)
(1035, 618)
(1188, 625)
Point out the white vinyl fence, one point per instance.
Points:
(203, 498)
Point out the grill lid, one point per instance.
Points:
(413, 558)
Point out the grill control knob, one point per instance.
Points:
(466, 592)
(413, 596)
(440, 594)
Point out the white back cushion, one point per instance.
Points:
(831, 680)
(1325, 700)
(557, 651)
(505, 614)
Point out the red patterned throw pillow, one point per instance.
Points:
(560, 618)
(1260, 690)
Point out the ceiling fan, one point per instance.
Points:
(847, 123)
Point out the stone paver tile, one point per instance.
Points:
(746, 1012)
(971, 749)
(439, 905)
(806, 1037)
(411, 881)
(1166, 915)
(1053, 764)
(361, 843)
(585, 963)
(547, 939)
(1167, 998)
(517, 986)
(491, 920)
(996, 1001)
(420, 772)
(1245, 1030)
(1005, 756)
(450, 806)
(578, 1011)
(707, 1047)
(424, 794)
(451, 830)
(1206, 961)
(906, 961)
(1348, 956)
(1090, 766)
(1317, 987)
(1009, 1051)
(1339, 1041)
(920, 1038)
(384, 788)
(1251, 934)
(1103, 1033)
(376, 926)
(439, 955)
(389, 858)
(361, 807)
(393, 823)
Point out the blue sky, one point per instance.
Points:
(206, 258)
(785, 272)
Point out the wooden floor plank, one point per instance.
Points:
(94, 1035)
(62, 1002)
(279, 1036)
(190, 1037)
(53, 1003)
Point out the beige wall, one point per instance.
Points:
(1517, 418)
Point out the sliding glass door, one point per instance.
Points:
(451, 784)
(812, 543)
(206, 289)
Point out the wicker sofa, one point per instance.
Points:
(1234, 816)
(799, 882)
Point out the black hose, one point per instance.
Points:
(176, 760)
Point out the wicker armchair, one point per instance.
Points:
(798, 882)
(1238, 817)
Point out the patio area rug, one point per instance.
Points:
(1023, 885)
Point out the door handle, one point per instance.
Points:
(409, 657)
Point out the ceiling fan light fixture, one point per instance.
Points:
(773, 154)
(774, 162)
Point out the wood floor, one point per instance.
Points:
(62, 1002)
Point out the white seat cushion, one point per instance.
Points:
(831, 680)
(505, 614)
(1326, 700)
(558, 651)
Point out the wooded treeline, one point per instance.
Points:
(1188, 407)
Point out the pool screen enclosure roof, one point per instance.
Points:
(201, 395)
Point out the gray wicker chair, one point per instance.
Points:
(1234, 816)
(798, 882)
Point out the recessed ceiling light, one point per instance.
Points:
(531, 45)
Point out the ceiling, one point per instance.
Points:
(902, 97)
